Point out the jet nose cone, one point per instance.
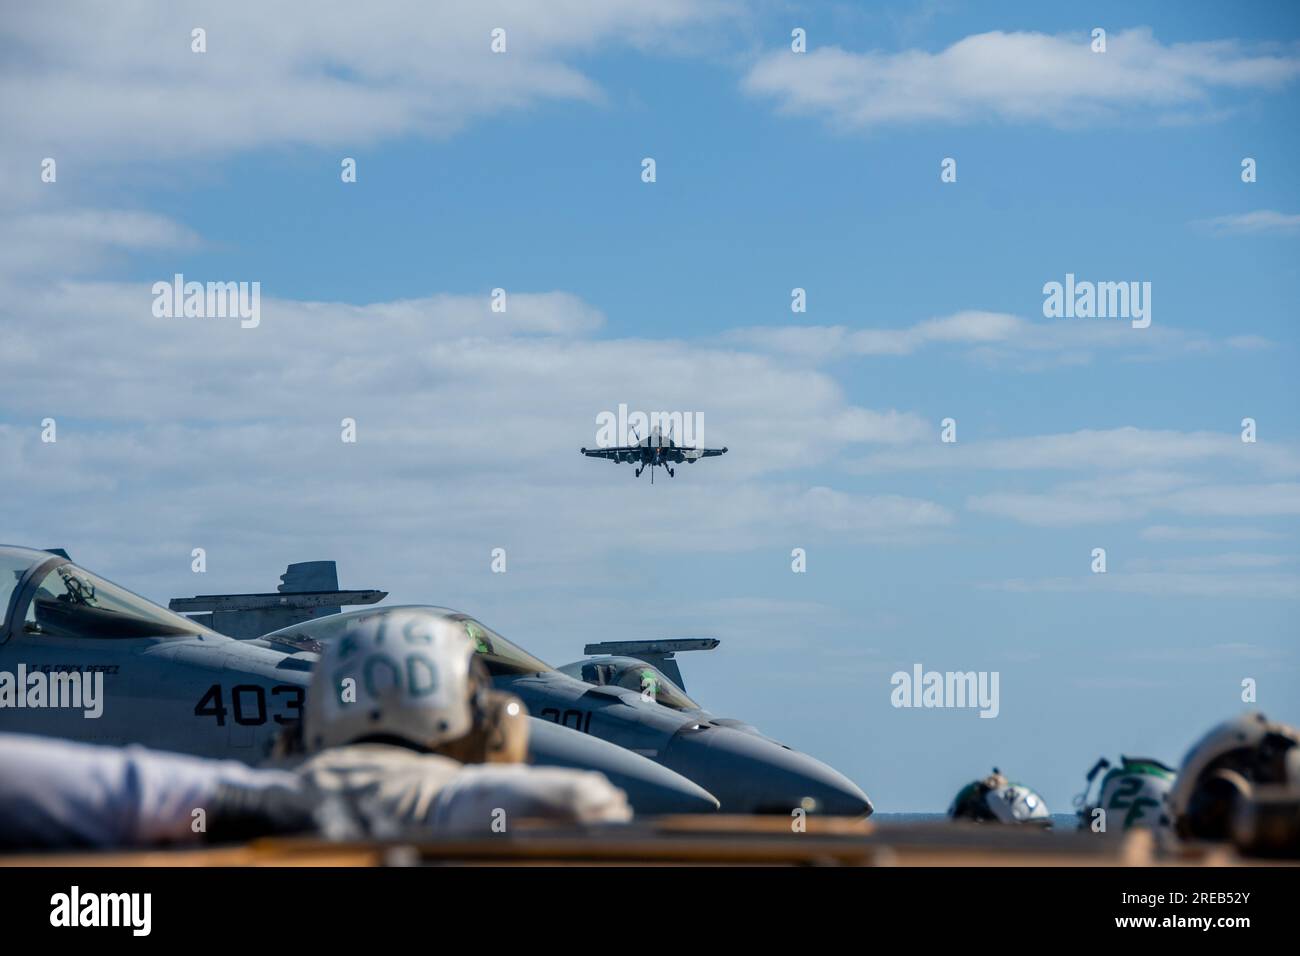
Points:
(751, 774)
(651, 788)
(838, 795)
(651, 794)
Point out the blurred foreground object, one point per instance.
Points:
(995, 799)
(56, 794)
(1241, 781)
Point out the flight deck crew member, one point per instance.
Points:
(401, 721)
(402, 731)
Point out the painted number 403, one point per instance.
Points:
(248, 704)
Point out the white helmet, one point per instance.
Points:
(1135, 794)
(1016, 803)
(401, 673)
(1225, 766)
(996, 799)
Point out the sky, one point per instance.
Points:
(774, 170)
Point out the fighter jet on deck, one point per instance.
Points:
(756, 774)
(654, 451)
(650, 669)
(171, 683)
(655, 720)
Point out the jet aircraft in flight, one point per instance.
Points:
(654, 451)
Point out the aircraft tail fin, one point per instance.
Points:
(656, 653)
(308, 589)
(309, 576)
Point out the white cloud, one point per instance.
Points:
(443, 361)
(121, 79)
(1082, 503)
(73, 241)
(469, 424)
(821, 342)
(1122, 683)
(1161, 584)
(992, 337)
(1238, 500)
(1107, 450)
(423, 505)
(1235, 560)
(1261, 222)
(1251, 342)
(1017, 77)
(1174, 533)
(831, 510)
(1054, 510)
(1232, 651)
(90, 84)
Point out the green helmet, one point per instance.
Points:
(1134, 794)
(995, 799)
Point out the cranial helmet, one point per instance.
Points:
(1225, 766)
(395, 673)
(1134, 794)
(995, 799)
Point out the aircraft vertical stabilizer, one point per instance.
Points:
(308, 589)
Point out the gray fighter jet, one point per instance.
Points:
(608, 698)
(650, 668)
(747, 772)
(654, 451)
(85, 659)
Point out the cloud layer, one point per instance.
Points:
(1019, 77)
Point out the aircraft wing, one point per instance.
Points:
(691, 454)
(620, 453)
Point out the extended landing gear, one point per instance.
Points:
(652, 467)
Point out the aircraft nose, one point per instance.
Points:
(651, 788)
(751, 774)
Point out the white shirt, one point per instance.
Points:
(395, 790)
(57, 793)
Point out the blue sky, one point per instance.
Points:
(774, 171)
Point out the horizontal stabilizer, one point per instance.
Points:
(274, 599)
(637, 648)
(308, 589)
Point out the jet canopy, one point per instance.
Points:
(632, 674)
(502, 657)
(46, 594)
